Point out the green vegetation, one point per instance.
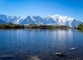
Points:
(80, 27)
(2, 26)
(63, 27)
(32, 26)
(38, 26)
(11, 26)
(46, 26)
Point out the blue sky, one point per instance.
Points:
(23, 8)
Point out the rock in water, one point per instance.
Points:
(34, 58)
(73, 48)
(59, 54)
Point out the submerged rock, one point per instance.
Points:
(73, 48)
(59, 54)
(8, 58)
(34, 58)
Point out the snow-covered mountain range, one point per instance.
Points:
(48, 20)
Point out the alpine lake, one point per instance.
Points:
(41, 44)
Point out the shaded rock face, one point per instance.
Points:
(2, 22)
(48, 20)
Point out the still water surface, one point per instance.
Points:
(40, 44)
